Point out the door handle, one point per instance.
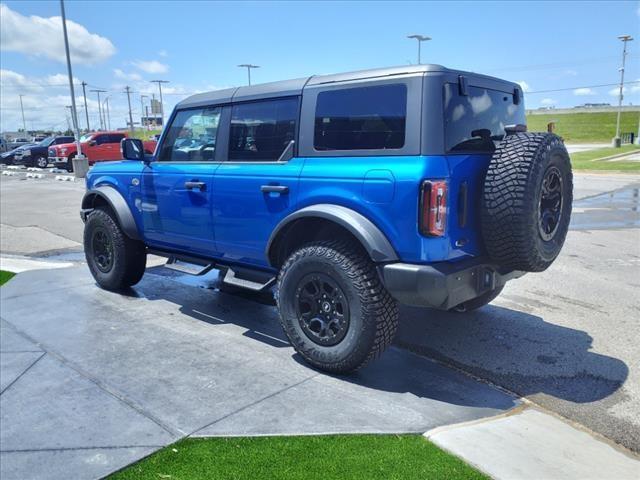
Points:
(283, 189)
(195, 185)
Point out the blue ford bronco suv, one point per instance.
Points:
(347, 194)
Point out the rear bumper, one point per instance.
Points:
(443, 285)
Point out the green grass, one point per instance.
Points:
(333, 457)
(586, 127)
(5, 276)
(144, 134)
(589, 160)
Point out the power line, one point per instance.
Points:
(585, 86)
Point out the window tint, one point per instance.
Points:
(101, 139)
(260, 131)
(362, 118)
(115, 137)
(191, 136)
(474, 121)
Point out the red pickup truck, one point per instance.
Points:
(96, 146)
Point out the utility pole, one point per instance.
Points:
(142, 97)
(420, 39)
(86, 111)
(160, 82)
(98, 91)
(24, 124)
(128, 92)
(108, 118)
(248, 66)
(617, 142)
(73, 93)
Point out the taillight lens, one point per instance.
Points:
(433, 208)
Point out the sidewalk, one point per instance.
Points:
(530, 444)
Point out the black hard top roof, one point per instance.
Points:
(295, 86)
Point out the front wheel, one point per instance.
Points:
(41, 162)
(115, 260)
(69, 166)
(335, 311)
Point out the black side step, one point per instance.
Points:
(231, 277)
(174, 263)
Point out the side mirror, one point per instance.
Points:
(132, 149)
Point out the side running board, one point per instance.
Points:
(256, 285)
(189, 268)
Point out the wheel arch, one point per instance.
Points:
(310, 222)
(105, 195)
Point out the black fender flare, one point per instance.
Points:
(372, 239)
(117, 203)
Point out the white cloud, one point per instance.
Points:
(524, 86)
(163, 53)
(614, 92)
(151, 66)
(547, 102)
(582, 92)
(136, 77)
(42, 37)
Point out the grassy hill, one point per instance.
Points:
(586, 127)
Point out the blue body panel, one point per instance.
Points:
(232, 219)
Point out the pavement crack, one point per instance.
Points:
(25, 371)
(252, 404)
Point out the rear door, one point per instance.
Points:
(254, 188)
(177, 187)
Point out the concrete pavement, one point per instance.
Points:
(99, 375)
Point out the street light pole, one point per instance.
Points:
(128, 92)
(617, 142)
(24, 124)
(86, 111)
(98, 91)
(160, 82)
(107, 119)
(420, 39)
(248, 66)
(142, 97)
(73, 93)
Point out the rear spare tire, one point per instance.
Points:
(526, 207)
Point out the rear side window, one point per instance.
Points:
(115, 137)
(260, 131)
(472, 122)
(361, 118)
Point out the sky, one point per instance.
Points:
(559, 51)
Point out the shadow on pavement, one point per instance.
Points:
(514, 349)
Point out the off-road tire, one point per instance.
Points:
(373, 313)
(129, 256)
(476, 303)
(69, 165)
(511, 201)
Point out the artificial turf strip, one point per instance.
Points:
(5, 276)
(331, 457)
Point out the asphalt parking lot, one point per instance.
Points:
(565, 339)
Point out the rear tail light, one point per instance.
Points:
(433, 208)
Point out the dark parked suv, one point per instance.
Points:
(37, 156)
(347, 194)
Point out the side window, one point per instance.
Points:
(101, 139)
(260, 131)
(115, 138)
(361, 118)
(191, 136)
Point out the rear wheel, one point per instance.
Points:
(333, 307)
(41, 162)
(115, 260)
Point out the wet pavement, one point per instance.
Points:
(608, 210)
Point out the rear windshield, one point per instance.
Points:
(474, 121)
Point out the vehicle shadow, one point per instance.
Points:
(514, 349)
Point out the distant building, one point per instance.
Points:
(593, 105)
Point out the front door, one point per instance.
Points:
(177, 187)
(253, 189)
